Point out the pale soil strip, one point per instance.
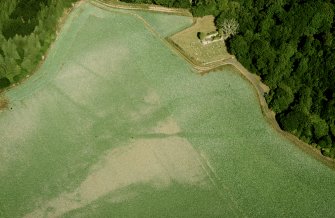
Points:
(145, 7)
(158, 162)
(170, 127)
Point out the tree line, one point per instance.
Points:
(289, 43)
(27, 28)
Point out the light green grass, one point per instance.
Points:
(166, 24)
(106, 84)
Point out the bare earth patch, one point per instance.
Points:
(168, 126)
(3, 103)
(158, 162)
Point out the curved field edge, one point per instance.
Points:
(207, 100)
(260, 88)
(59, 26)
(253, 79)
(258, 85)
(269, 115)
(143, 7)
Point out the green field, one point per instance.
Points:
(115, 124)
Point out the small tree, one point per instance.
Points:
(229, 27)
(220, 32)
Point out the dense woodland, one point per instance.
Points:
(27, 27)
(289, 43)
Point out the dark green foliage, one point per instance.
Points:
(18, 26)
(295, 121)
(166, 3)
(290, 45)
(4, 82)
(282, 98)
(27, 27)
(204, 7)
(198, 8)
(23, 19)
(227, 10)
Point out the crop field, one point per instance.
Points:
(189, 43)
(115, 124)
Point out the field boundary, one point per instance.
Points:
(215, 180)
(144, 7)
(269, 115)
(59, 26)
(259, 87)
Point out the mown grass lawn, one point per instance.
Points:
(116, 124)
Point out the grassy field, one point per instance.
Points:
(188, 42)
(116, 124)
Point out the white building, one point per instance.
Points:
(211, 37)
